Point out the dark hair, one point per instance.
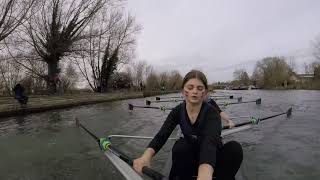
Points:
(197, 75)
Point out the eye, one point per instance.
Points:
(189, 87)
(200, 88)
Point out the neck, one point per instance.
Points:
(193, 107)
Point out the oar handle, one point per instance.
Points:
(152, 173)
(145, 170)
(237, 125)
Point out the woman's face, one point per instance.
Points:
(194, 91)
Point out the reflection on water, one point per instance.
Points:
(20, 124)
(20, 120)
(49, 146)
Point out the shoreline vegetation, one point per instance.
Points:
(40, 103)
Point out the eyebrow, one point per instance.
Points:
(196, 86)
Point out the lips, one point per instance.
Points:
(194, 97)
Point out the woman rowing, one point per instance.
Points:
(200, 152)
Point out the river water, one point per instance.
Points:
(49, 146)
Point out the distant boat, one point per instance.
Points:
(240, 88)
(252, 87)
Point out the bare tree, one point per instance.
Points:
(292, 63)
(32, 82)
(111, 42)
(163, 80)
(12, 14)
(138, 70)
(241, 77)
(10, 74)
(174, 80)
(53, 31)
(152, 82)
(69, 78)
(148, 71)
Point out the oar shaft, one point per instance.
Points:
(158, 98)
(242, 102)
(175, 100)
(148, 107)
(238, 117)
(134, 137)
(272, 116)
(151, 107)
(89, 132)
(145, 170)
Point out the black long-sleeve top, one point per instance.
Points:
(214, 104)
(207, 129)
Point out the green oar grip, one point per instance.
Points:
(254, 120)
(162, 108)
(104, 143)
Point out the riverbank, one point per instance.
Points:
(10, 107)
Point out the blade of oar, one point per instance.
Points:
(254, 120)
(163, 108)
(145, 170)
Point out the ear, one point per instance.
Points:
(184, 93)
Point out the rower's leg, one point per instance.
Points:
(229, 160)
(184, 161)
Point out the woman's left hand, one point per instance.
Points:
(231, 124)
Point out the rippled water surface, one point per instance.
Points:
(49, 146)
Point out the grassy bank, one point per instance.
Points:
(39, 103)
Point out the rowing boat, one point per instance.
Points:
(130, 174)
(122, 167)
(124, 163)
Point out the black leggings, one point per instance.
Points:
(185, 161)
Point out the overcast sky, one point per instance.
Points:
(218, 36)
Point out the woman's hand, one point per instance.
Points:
(144, 160)
(226, 119)
(205, 172)
(231, 124)
(141, 162)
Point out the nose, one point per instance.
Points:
(194, 91)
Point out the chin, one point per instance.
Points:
(195, 101)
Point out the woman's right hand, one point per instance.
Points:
(139, 163)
